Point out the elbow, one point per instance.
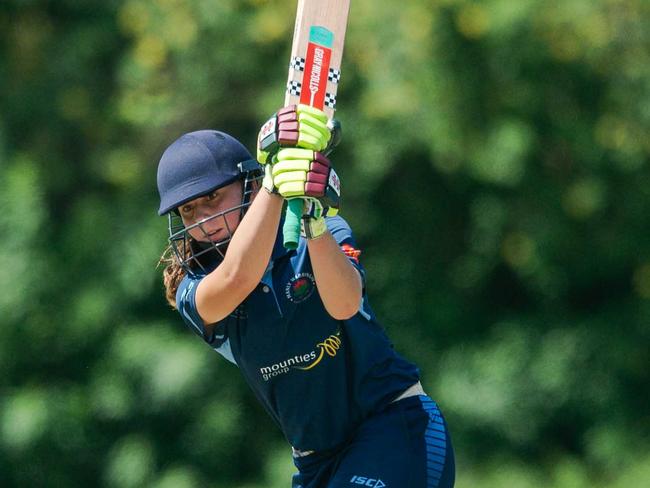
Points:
(347, 309)
(238, 280)
(344, 314)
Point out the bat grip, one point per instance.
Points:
(291, 229)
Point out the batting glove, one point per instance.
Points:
(304, 173)
(293, 126)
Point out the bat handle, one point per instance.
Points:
(291, 229)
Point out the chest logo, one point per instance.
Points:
(300, 287)
(327, 347)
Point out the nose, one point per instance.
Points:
(203, 212)
(212, 219)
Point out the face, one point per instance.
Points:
(201, 209)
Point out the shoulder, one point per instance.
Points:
(186, 304)
(186, 289)
(337, 222)
(339, 228)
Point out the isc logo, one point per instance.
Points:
(365, 481)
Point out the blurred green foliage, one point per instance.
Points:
(495, 167)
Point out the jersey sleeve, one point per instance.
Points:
(342, 234)
(217, 338)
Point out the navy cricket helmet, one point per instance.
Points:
(195, 165)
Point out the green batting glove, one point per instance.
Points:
(313, 131)
(300, 126)
(305, 173)
(265, 153)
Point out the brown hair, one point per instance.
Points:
(173, 274)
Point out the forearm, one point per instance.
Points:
(246, 259)
(250, 249)
(337, 280)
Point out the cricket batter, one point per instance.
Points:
(296, 323)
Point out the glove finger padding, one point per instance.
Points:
(305, 173)
(290, 168)
(318, 176)
(303, 126)
(293, 126)
(323, 184)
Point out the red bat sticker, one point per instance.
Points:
(314, 81)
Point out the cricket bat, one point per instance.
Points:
(314, 74)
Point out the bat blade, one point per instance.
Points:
(316, 53)
(314, 74)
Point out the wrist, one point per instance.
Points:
(267, 181)
(316, 238)
(270, 197)
(312, 228)
(275, 196)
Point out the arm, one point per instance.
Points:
(303, 171)
(246, 259)
(338, 282)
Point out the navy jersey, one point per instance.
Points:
(318, 377)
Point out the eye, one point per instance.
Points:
(212, 195)
(187, 210)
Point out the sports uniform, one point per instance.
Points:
(352, 409)
(328, 384)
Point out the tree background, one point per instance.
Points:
(495, 168)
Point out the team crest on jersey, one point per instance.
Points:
(300, 287)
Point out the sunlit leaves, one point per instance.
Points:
(495, 171)
(130, 462)
(24, 418)
(22, 223)
(166, 371)
(584, 198)
(502, 157)
(512, 382)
